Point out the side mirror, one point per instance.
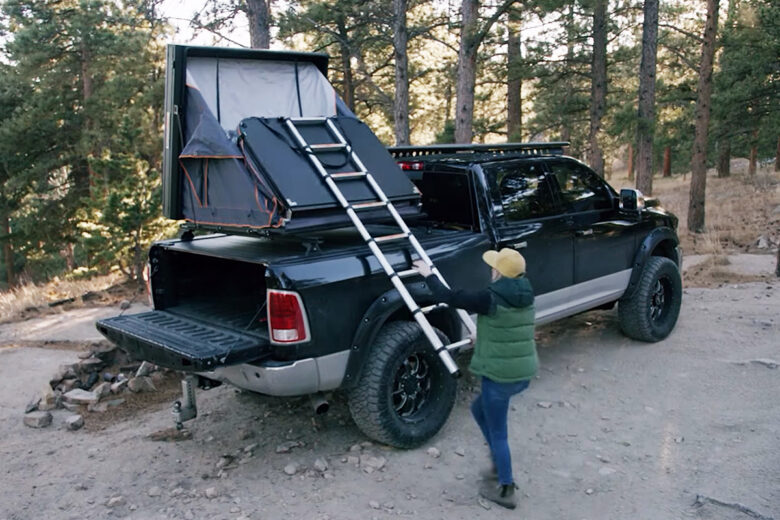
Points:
(631, 199)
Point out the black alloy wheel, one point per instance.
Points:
(650, 312)
(405, 394)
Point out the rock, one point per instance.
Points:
(252, 447)
(118, 387)
(291, 469)
(353, 460)
(90, 365)
(92, 378)
(460, 476)
(79, 396)
(115, 501)
(74, 422)
(321, 465)
(484, 503)
(762, 242)
(124, 305)
(224, 461)
(460, 452)
(606, 471)
(37, 419)
(374, 504)
(589, 491)
(33, 404)
(145, 369)
(69, 384)
(155, 491)
(84, 355)
(434, 452)
(108, 377)
(355, 448)
(544, 404)
(102, 390)
(286, 447)
(212, 493)
(97, 408)
(370, 461)
(75, 408)
(141, 384)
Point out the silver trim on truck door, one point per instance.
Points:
(580, 297)
(301, 377)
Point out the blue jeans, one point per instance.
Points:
(490, 411)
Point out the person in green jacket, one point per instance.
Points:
(504, 356)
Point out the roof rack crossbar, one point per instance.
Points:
(552, 148)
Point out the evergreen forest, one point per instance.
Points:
(649, 87)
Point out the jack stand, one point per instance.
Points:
(185, 409)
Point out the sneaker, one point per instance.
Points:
(503, 495)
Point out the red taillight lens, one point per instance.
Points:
(411, 165)
(286, 318)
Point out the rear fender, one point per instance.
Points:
(391, 307)
(661, 241)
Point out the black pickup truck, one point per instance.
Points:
(312, 311)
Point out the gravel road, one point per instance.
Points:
(611, 429)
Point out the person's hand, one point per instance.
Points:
(422, 268)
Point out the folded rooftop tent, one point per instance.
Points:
(230, 163)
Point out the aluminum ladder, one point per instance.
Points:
(396, 277)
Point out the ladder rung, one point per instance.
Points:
(327, 147)
(369, 205)
(408, 273)
(389, 238)
(345, 176)
(434, 307)
(458, 344)
(308, 120)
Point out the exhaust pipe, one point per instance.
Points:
(319, 403)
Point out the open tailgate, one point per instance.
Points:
(181, 343)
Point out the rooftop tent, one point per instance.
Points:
(230, 161)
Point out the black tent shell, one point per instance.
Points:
(256, 176)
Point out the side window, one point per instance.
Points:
(523, 191)
(581, 189)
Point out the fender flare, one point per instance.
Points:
(645, 251)
(375, 317)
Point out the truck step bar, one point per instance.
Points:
(340, 143)
(180, 343)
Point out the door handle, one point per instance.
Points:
(584, 232)
(520, 245)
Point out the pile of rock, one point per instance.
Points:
(94, 384)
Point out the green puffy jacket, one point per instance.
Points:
(505, 350)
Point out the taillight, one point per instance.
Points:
(411, 165)
(286, 317)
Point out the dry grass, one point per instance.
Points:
(739, 210)
(31, 298)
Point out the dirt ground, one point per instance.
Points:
(610, 429)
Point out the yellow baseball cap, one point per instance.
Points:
(508, 262)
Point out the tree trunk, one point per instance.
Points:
(598, 85)
(753, 160)
(724, 158)
(401, 99)
(467, 71)
(348, 87)
(777, 156)
(259, 14)
(630, 161)
(514, 93)
(646, 112)
(667, 162)
(699, 155)
(8, 251)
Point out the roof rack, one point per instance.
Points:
(553, 148)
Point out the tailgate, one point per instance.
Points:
(181, 343)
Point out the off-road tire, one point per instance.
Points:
(371, 401)
(650, 312)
